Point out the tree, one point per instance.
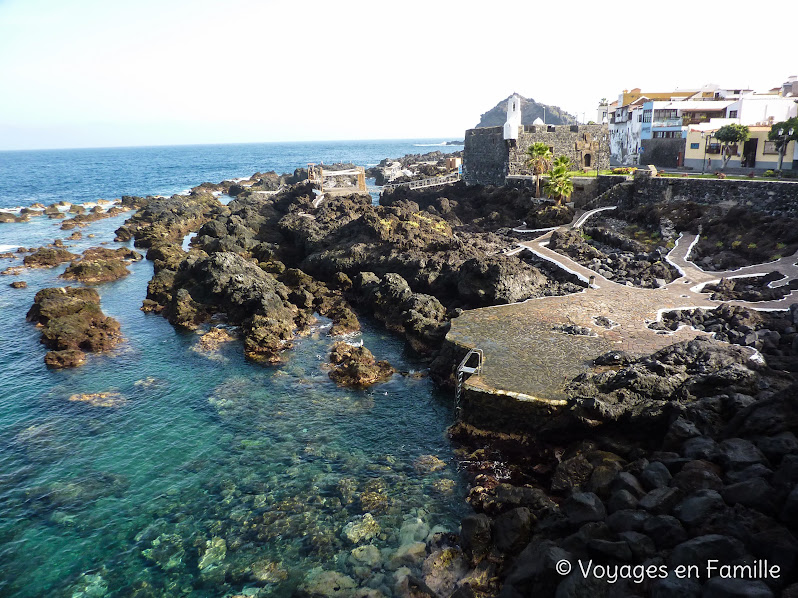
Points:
(727, 135)
(538, 159)
(791, 124)
(560, 186)
(561, 162)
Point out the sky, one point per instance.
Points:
(101, 73)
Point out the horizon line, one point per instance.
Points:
(443, 143)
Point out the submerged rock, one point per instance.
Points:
(326, 584)
(112, 400)
(356, 366)
(266, 571)
(361, 529)
(213, 340)
(428, 464)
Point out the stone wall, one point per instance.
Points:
(770, 196)
(662, 152)
(485, 156)
(581, 143)
(488, 158)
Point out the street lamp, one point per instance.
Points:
(783, 146)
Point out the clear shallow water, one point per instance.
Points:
(275, 461)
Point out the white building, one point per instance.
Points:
(762, 109)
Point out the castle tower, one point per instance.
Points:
(513, 117)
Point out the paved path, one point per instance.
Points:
(524, 352)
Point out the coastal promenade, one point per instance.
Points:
(531, 351)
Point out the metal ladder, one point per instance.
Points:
(463, 369)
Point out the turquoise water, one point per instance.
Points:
(201, 449)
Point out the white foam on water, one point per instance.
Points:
(7, 248)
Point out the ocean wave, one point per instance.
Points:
(429, 144)
(7, 248)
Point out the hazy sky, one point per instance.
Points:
(89, 73)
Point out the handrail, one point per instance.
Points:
(463, 369)
(428, 182)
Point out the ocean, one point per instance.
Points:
(209, 475)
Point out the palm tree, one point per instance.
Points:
(539, 159)
(560, 186)
(563, 162)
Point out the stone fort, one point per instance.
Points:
(492, 154)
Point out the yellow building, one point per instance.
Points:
(703, 152)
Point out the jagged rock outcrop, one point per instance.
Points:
(645, 391)
(72, 323)
(421, 318)
(162, 220)
(99, 264)
(228, 283)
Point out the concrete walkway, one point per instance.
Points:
(526, 354)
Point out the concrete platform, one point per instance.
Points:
(527, 359)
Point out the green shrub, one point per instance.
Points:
(769, 173)
(736, 244)
(752, 246)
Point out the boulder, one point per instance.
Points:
(697, 507)
(356, 366)
(660, 500)
(582, 507)
(475, 536)
(512, 530)
(665, 530)
(656, 475)
(720, 587)
(443, 569)
(701, 549)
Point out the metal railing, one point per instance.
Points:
(462, 370)
(428, 182)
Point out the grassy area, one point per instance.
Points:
(591, 173)
(733, 177)
(679, 175)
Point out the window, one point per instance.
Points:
(639, 118)
(732, 114)
(647, 116)
(770, 148)
(694, 146)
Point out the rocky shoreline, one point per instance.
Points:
(666, 460)
(690, 482)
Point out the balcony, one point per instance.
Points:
(667, 122)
